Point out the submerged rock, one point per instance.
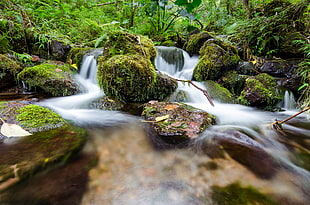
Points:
(175, 123)
(260, 91)
(55, 80)
(52, 141)
(243, 149)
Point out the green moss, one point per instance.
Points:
(218, 92)
(260, 91)
(215, 60)
(52, 79)
(122, 43)
(196, 41)
(233, 81)
(38, 118)
(126, 78)
(235, 194)
(8, 65)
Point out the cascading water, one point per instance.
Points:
(76, 107)
(238, 117)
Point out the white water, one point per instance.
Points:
(76, 107)
(254, 122)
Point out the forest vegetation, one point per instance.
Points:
(259, 27)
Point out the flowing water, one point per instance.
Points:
(131, 171)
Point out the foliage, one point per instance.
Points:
(304, 72)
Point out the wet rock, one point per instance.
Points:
(59, 50)
(132, 78)
(280, 68)
(216, 58)
(51, 79)
(218, 92)
(233, 81)
(246, 68)
(196, 41)
(8, 72)
(260, 91)
(175, 123)
(245, 150)
(62, 185)
(52, 141)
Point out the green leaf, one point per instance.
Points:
(190, 5)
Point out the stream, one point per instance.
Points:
(131, 171)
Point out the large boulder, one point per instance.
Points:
(260, 91)
(52, 141)
(126, 78)
(216, 58)
(8, 72)
(196, 41)
(175, 124)
(126, 71)
(55, 80)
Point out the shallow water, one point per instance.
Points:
(130, 170)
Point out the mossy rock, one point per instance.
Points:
(219, 93)
(217, 57)
(8, 72)
(196, 41)
(176, 122)
(36, 152)
(233, 81)
(53, 140)
(51, 79)
(123, 43)
(236, 194)
(132, 79)
(33, 118)
(260, 91)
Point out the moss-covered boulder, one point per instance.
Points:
(52, 141)
(55, 80)
(175, 123)
(123, 43)
(8, 72)
(126, 78)
(233, 81)
(196, 41)
(260, 91)
(216, 58)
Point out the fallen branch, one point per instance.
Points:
(278, 124)
(205, 92)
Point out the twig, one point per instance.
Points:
(278, 124)
(202, 90)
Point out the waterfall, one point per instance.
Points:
(289, 102)
(76, 107)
